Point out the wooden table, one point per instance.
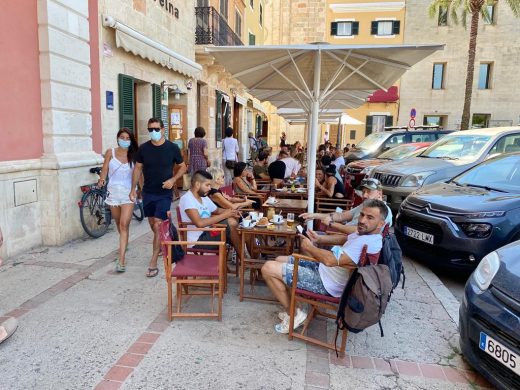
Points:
(280, 231)
(296, 206)
(290, 195)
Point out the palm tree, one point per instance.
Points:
(475, 8)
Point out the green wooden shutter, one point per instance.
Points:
(368, 125)
(396, 27)
(355, 28)
(389, 121)
(126, 102)
(334, 28)
(156, 101)
(218, 124)
(252, 39)
(373, 28)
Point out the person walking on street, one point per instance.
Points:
(198, 152)
(156, 160)
(229, 155)
(118, 167)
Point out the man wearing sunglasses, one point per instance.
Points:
(156, 159)
(346, 221)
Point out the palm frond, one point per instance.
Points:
(515, 6)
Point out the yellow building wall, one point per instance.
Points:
(363, 12)
(252, 21)
(233, 5)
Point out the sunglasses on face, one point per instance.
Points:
(371, 182)
(150, 129)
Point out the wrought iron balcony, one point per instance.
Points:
(212, 29)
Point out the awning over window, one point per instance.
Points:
(380, 96)
(241, 100)
(258, 106)
(140, 45)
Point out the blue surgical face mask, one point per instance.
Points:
(155, 135)
(124, 143)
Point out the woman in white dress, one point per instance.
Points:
(117, 168)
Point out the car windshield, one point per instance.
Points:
(372, 141)
(455, 147)
(501, 174)
(398, 152)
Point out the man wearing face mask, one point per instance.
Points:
(199, 211)
(156, 159)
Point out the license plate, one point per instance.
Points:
(418, 235)
(501, 353)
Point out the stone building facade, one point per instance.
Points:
(439, 98)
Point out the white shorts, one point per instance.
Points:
(117, 196)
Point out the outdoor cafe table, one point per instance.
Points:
(302, 195)
(281, 231)
(296, 206)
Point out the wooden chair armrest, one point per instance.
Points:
(298, 257)
(221, 244)
(206, 229)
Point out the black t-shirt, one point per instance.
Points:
(158, 162)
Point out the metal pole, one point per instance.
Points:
(313, 130)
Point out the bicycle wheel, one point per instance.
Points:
(93, 214)
(139, 211)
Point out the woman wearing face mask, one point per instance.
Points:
(118, 168)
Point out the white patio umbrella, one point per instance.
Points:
(314, 76)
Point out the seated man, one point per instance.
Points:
(198, 209)
(260, 167)
(330, 275)
(346, 221)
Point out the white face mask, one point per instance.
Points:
(155, 135)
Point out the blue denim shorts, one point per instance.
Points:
(308, 276)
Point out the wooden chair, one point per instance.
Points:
(197, 269)
(321, 305)
(328, 205)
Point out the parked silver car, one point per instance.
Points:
(444, 159)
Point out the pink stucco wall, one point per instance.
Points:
(97, 136)
(20, 100)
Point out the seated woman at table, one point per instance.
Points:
(331, 187)
(277, 173)
(245, 184)
(219, 198)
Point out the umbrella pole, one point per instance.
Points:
(313, 136)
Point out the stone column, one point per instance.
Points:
(64, 42)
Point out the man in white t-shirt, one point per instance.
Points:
(346, 221)
(292, 166)
(229, 154)
(198, 209)
(330, 274)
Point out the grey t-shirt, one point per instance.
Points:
(355, 215)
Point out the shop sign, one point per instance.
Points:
(168, 6)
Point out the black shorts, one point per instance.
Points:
(157, 206)
(213, 236)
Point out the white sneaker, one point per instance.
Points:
(299, 319)
(282, 315)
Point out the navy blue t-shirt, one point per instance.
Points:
(158, 162)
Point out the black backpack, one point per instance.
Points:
(392, 256)
(177, 251)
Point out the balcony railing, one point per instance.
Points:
(212, 29)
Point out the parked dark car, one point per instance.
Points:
(490, 318)
(376, 143)
(457, 223)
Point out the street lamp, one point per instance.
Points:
(174, 89)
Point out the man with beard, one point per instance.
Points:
(330, 274)
(199, 211)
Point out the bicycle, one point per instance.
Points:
(94, 214)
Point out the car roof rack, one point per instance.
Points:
(419, 127)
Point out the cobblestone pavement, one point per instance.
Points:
(83, 326)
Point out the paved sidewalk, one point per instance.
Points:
(83, 326)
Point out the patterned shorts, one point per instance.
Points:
(308, 276)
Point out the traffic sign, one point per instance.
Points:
(411, 124)
(413, 113)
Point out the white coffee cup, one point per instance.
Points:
(260, 215)
(271, 199)
(277, 218)
(254, 215)
(246, 223)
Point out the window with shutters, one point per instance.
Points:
(252, 39)
(224, 8)
(156, 101)
(344, 29)
(261, 12)
(383, 28)
(126, 102)
(352, 134)
(377, 123)
(238, 23)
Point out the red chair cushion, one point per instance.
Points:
(318, 297)
(194, 265)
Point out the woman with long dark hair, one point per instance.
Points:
(118, 168)
(198, 152)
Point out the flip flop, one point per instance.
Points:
(9, 326)
(120, 267)
(152, 272)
